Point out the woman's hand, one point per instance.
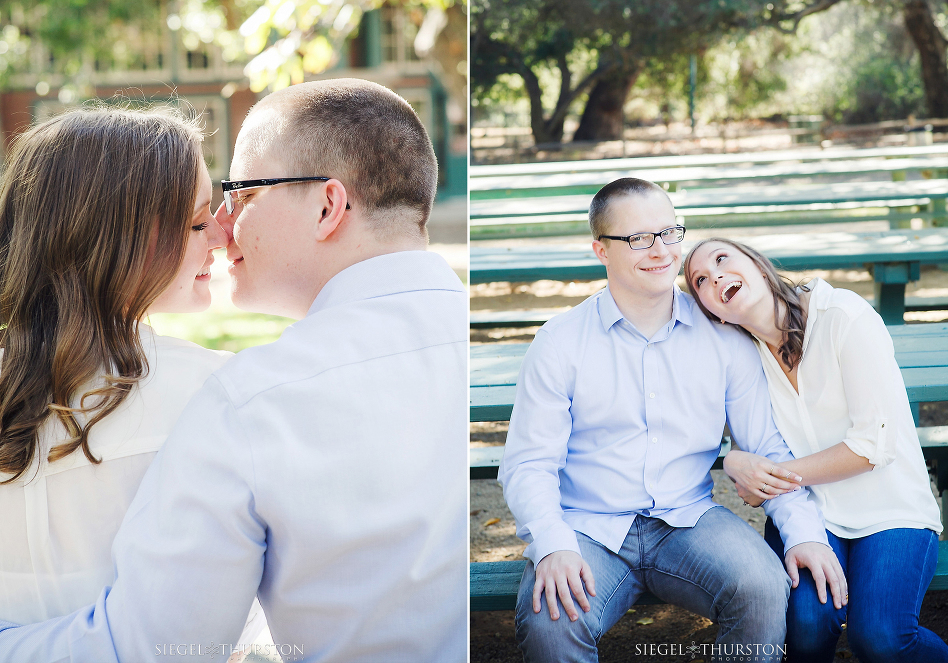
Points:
(758, 477)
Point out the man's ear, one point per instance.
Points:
(600, 250)
(332, 212)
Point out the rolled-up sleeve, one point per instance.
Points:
(752, 425)
(536, 450)
(873, 386)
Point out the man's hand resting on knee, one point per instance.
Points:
(561, 573)
(825, 568)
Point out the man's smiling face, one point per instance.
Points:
(645, 272)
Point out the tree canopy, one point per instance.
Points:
(280, 40)
(583, 57)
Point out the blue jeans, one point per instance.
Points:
(720, 568)
(888, 573)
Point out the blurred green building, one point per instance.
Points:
(157, 62)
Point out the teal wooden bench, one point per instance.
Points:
(536, 317)
(696, 160)
(494, 584)
(761, 205)
(895, 258)
(588, 183)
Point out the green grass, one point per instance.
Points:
(221, 330)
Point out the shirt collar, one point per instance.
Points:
(609, 313)
(388, 274)
(820, 294)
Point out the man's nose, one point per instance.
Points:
(226, 222)
(658, 247)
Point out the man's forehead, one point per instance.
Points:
(254, 166)
(631, 213)
(253, 153)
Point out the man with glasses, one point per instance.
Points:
(617, 421)
(325, 472)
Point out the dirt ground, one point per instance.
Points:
(492, 633)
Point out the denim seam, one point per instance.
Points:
(606, 602)
(923, 586)
(687, 580)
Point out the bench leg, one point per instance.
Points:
(939, 214)
(944, 514)
(940, 470)
(900, 217)
(890, 302)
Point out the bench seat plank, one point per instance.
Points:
(792, 251)
(693, 160)
(557, 184)
(775, 196)
(494, 585)
(488, 319)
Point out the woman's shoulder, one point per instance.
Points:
(838, 301)
(176, 356)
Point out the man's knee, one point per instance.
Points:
(543, 639)
(756, 594)
(760, 588)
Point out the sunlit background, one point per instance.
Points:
(216, 58)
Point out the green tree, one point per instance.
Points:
(282, 39)
(513, 36)
(931, 45)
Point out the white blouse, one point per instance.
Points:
(851, 391)
(59, 519)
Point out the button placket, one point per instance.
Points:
(653, 419)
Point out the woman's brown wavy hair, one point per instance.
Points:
(793, 322)
(95, 208)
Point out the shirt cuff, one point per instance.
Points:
(551, 538)
(798, 519)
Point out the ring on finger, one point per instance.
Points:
(771, 470)
(763, 489)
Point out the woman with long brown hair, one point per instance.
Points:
(104, 217)
(840, 403)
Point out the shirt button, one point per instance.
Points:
(654, 440)
(652, 395)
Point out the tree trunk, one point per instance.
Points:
(542, 130)
(603, 118)
(931, 46)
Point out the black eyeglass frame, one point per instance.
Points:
(627, 238)
(239, 185)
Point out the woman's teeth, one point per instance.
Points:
(730, 291)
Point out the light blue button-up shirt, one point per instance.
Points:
(608, 424)
(325, 473)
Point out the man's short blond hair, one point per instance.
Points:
(626, 186)
(367, 137)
